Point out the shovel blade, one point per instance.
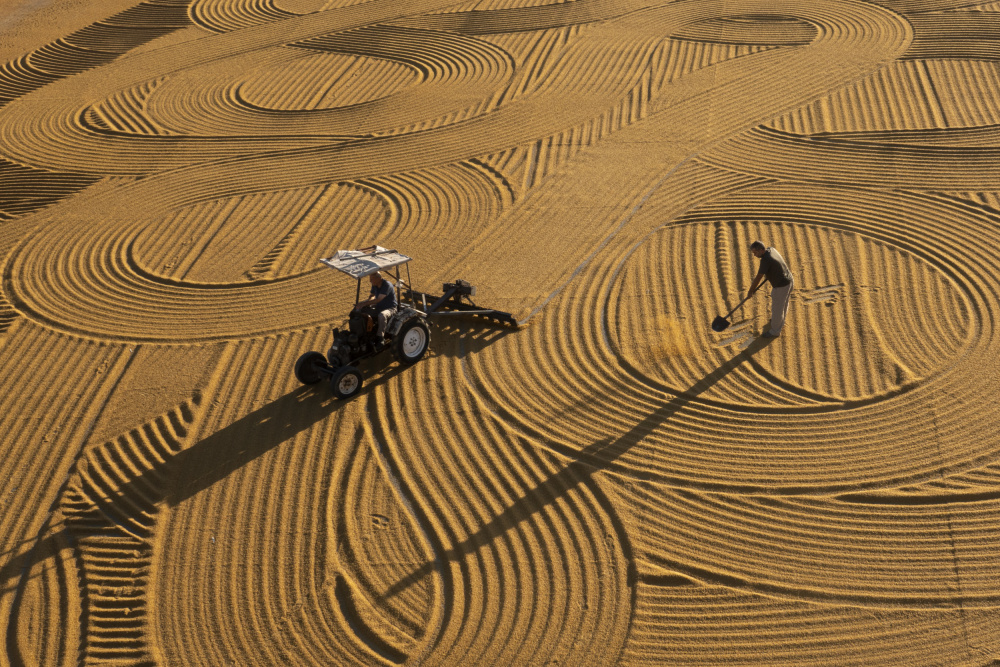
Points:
(720, 324)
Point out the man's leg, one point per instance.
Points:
(779, 307)
(383, 320)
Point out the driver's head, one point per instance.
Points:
(375, 279)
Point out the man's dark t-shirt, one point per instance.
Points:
(390, 295)
(773, 266)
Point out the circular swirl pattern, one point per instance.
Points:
(854, 324)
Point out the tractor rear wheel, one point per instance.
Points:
(307, 368)
(412, 341)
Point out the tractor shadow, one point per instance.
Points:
(586, 462)
(214, 458)
(222, 453)
(457, 337)
(186, 473)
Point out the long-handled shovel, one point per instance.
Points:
(722, 323)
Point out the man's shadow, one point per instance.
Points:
(588, 461)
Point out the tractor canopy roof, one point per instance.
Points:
(364, 262)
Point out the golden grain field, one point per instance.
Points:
(609, 483)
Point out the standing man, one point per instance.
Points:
(382, 300)
(774, 270)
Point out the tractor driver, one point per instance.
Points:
(382, 300)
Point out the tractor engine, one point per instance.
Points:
(346, 345)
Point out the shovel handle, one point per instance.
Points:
(737, 307)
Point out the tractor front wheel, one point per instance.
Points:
(346, 382)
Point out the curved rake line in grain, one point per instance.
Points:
(350, 220)
(910, 7)
(522, 516)
(325, 80)
(529, 165)
(940, 141)
(454, 140)
(251, 528)
(370, 521)
(713, 624)
(93, 46)
(493, 5)
(751, 30)
(124, 113)
(276, 219)
(265, 266)
(195, 245)
(823, 550)
(849, 163)
(472, 71)
(502, 188)
(218, 252)
(963, 111)
(900, 97)
(51, 136)
(110, 508)
(435, 55)
(522, 19)
(848, 29)
(230, 15)
(953, 106)
(462, 66)
(693, 447)
(24, 190)
(440, 206)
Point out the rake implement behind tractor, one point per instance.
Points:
(406, 333)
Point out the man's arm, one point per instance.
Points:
(754, 285)
(371, 301)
